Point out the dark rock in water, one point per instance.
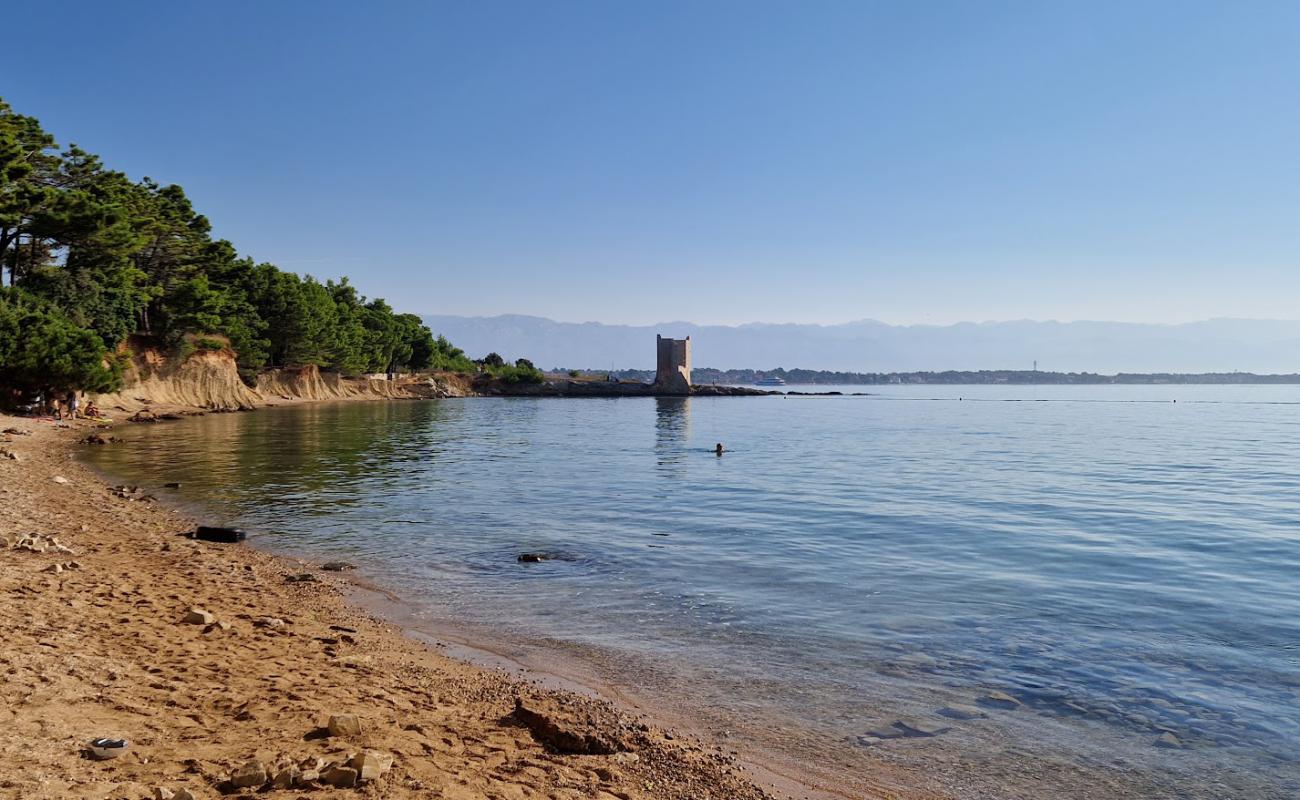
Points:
(208, 533)
(304, 577)
(337, 566)
(172, 485)
(533, 558)
(143, 415)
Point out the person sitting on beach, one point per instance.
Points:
(92, 410)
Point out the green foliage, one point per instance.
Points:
(108, 257)
(41, 349)
(517, 373)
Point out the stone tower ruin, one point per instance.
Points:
(673, 368)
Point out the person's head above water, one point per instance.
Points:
(718, 449)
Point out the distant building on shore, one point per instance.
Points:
(673, 367)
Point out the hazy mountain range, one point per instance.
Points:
(1217, 345)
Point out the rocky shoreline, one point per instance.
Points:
(228, 672)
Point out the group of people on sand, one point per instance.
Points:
(67, 406)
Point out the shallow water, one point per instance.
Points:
(1121, 563)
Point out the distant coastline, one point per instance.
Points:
(706, 376)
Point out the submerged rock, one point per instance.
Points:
(1000, 700)
(963, 712)
(337, 566)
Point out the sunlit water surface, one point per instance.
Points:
(1123, 564)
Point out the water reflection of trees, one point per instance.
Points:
(335, 452)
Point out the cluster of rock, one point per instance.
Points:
(347, 772)
(37, 543)
(95, 438)
(145, 415)
(131, 493)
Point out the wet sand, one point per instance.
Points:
(93, 643)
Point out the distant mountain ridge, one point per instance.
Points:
(1216, 345)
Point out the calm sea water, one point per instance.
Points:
(1123, 564)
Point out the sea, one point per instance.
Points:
(1058, 591)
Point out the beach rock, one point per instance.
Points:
(251, 775)
(308, 777)
(337, 566)
(571, 728)
(999, 700)
(344, 725)
(339, 776)
(269, 622)
(183, 794)
(286, 778)
(163, 793)
(59, 479)
(54, 568)
(9, 454)
(370, 765)
(964, 712)
(143, 415)
(868, 741)
(17, 432)
(304, 577)
(172, 485)
(1169, 741)
(197, 616)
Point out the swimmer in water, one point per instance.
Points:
(718, 450)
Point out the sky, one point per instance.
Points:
(720, 162)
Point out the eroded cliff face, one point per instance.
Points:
(209, 380)
(206, 379)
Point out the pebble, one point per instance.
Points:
(1170, 741)
(163, 793)
(60, 479)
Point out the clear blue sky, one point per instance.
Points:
(719, 162)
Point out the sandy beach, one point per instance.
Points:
(275, 685)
